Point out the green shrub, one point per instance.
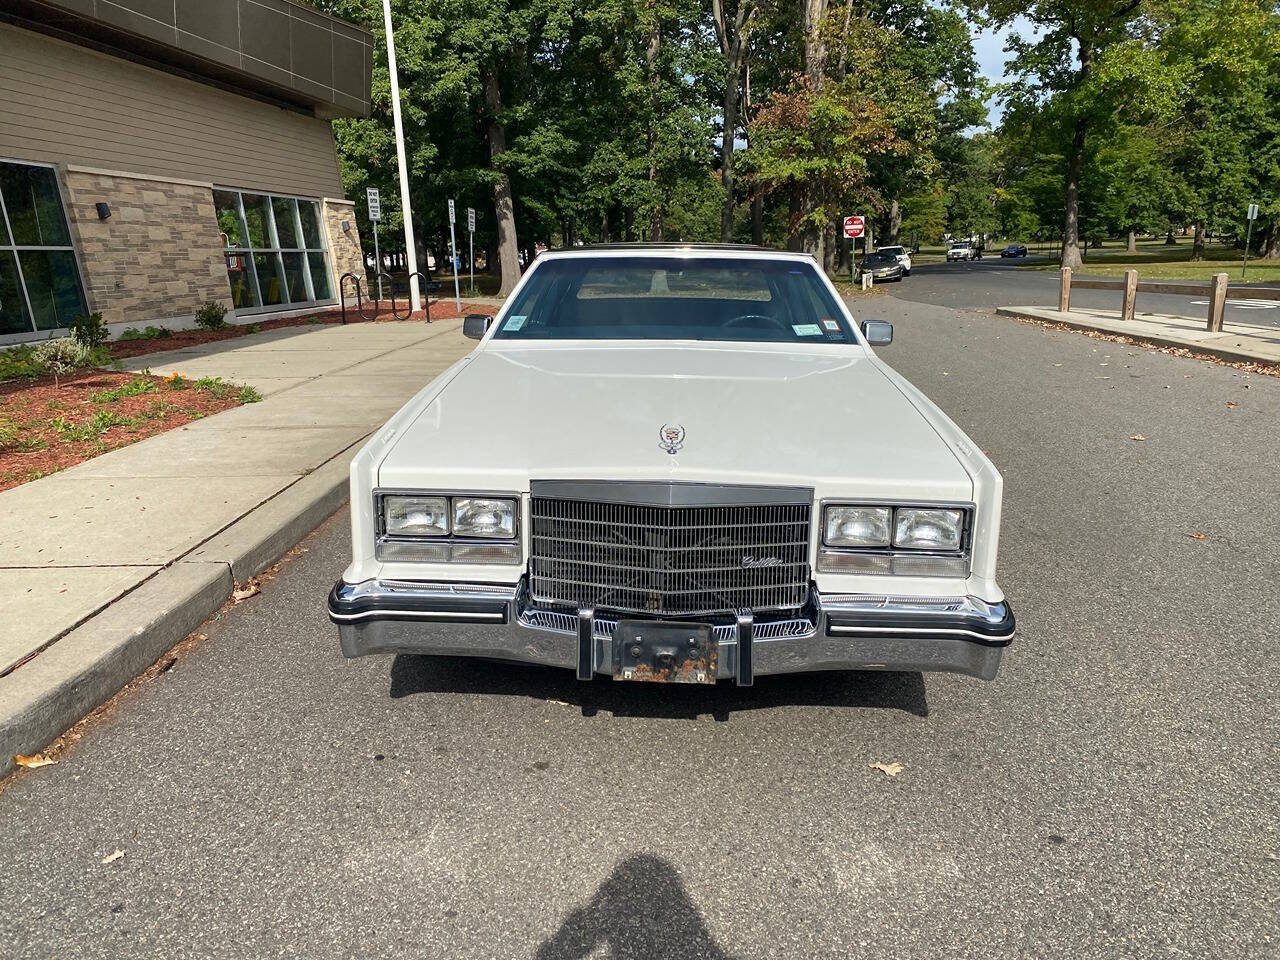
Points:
(90, 331)
(249, 395)
(63, 355)
(20, 362)
(135, 387)
(210, 316)
(150, 333)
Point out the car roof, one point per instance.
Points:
(743, 250)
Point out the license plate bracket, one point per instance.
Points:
(657, 651)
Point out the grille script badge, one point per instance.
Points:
(671, 437)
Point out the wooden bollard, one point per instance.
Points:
(1064, 291)
(1217, 302)
(1130, 294)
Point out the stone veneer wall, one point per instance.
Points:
(348, 256)
(159, 255)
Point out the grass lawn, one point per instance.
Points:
(1157, 261)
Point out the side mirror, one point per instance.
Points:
(878, 332)
(474, 325)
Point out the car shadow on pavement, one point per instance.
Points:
(641, 912)
(411, 674)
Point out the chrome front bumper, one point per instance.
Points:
(835, 632)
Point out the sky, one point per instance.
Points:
(989, 47)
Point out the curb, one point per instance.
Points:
(93, 662)
(1234, 356)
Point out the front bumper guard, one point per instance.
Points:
(964, 635)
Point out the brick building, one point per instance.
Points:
(159, 154)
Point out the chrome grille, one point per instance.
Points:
(669, 560)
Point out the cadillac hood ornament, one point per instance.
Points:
(671, 437)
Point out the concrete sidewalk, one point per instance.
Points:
(107, 564)
(1242, 342)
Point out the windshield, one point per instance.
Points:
(891, 251)
(675, 298)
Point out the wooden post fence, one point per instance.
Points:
(1130, 294)
(1217, 302)
(1064, 291)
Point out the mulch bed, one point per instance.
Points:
(122, 349)
(45, 427)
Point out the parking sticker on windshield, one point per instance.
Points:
(807, 329)
(831, 325)
(515, 322)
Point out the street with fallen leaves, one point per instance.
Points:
(1111, 794)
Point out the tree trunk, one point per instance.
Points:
(504, 213)
(1197, 245)
(794, 203)
(895, 221)
(1269, 249)
(1131, 241)
(1168, 240)
(829, 248)
(651, 58)
(726, 152)
(1071, 222)
(757, 220)
(815, 50)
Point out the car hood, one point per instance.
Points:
(750, 414)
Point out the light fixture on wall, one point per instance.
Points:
(104, 211)
(346, 226)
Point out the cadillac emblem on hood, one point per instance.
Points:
(672, 437)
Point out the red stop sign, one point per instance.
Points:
(854, 226)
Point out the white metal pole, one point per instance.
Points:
(377, 258)
(415, 301)
(453, 254)
(471, 261)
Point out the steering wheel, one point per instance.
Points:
(740, 320)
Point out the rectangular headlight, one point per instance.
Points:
(928, 529)
(415, 516)
(485, 517)
(855, 526)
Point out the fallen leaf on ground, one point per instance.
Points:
(1198, 536)
(113, 857)
(250, 589)
(890, 769)
(33, 761)
(1231, 404)
(1137, 436)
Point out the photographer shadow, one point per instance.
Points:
(641, 912)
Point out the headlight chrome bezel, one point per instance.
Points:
(892, 558)
(454, 546)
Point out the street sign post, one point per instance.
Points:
(375, 214)
(854, 227)
(471, 257)
(453, 255)
(1251, 216)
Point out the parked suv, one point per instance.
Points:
(962, 250)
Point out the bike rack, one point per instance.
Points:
(428, 287)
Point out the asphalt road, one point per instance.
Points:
(992, 282)
(1111, 794)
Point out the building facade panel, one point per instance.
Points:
(62, 102)
(158, 256)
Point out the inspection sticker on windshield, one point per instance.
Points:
(807, 329)
(831, 325)
(515, 322)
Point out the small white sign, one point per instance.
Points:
(1253, 212)
(471, 219)
(375, 204)
(453, 217)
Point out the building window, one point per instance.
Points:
(275, 249)
(40, 285)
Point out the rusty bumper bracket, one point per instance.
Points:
(586, 643)
(744, 673)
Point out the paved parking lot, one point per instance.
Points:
(1111, 794)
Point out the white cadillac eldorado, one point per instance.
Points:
(678, 464)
